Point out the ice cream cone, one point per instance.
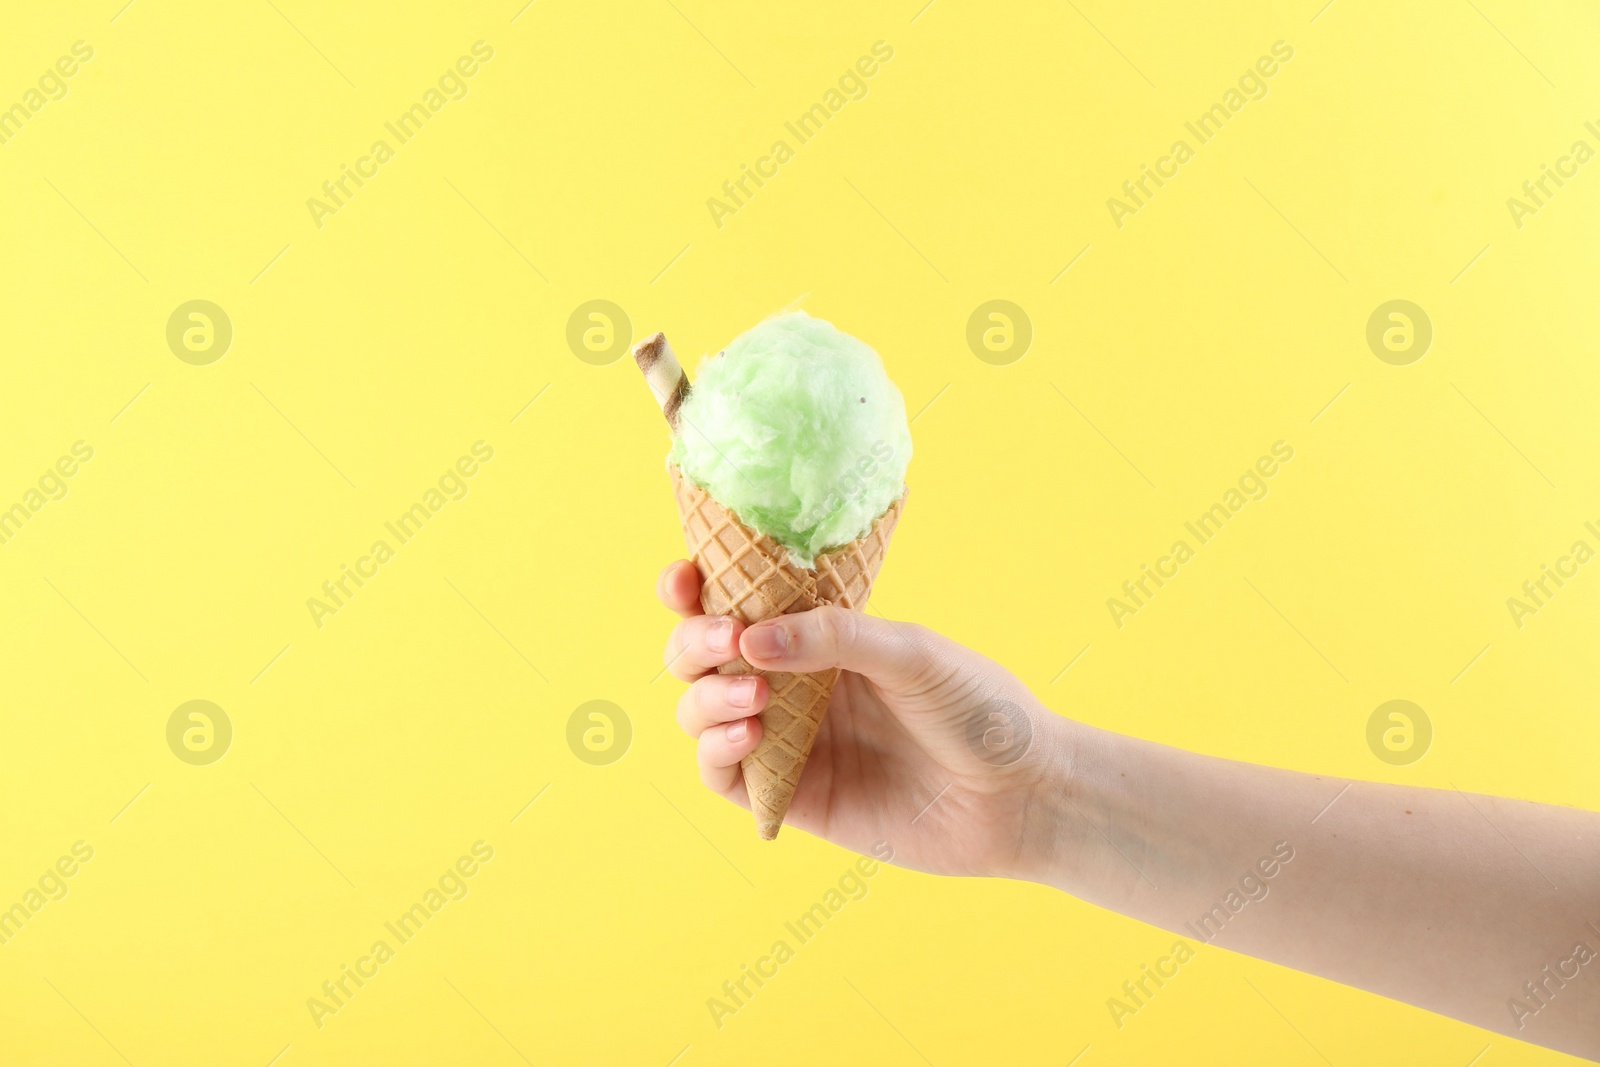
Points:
(751, 577)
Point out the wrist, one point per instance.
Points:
(1050, 837)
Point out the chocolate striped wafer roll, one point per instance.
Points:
(661, 372)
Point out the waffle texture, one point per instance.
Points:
(749, 576)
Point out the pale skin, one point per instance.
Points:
(1458, 903)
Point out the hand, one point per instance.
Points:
(927, 746)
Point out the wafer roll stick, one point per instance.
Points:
(666, 379)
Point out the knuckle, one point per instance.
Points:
(709, 753)
(691, 654)
(915, 634)
(685, 712)
(836, 626)
(707, 694)
(677, 642)
(683, 666)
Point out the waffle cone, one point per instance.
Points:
(749, 576)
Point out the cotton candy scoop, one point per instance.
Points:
(796, 428)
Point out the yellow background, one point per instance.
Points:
(370, 353)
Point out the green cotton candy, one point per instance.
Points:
(797, 430)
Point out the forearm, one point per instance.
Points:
(1434, 897)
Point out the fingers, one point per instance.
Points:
(720, 698)
(679, 588)
(894, 655)
(718, 709)
(720, 750)
(700, 643)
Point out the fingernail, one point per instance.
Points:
(767, 642)
(737, 730)
(719, 638)
(742, 693)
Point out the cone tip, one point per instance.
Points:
(768, 828)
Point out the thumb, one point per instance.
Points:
(894, 655)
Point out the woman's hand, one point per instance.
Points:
(926, 746)
(1481, 908)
